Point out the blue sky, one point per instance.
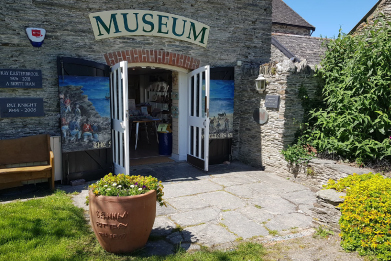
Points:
(329, 15)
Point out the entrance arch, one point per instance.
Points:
(142, 56)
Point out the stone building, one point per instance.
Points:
(173, 38)
(382, 7)
(286, 20)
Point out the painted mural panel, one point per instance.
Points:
(221, 109)
(85, 113)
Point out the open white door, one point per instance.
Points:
(119, 117)
(198, 117)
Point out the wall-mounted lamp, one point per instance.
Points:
(260, 83)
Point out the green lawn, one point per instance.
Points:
(52, 228)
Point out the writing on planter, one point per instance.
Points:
(112, 216)
(118, 236)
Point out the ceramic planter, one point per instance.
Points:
(122, 224)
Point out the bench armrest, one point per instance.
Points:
(52, 159)
(51, 181)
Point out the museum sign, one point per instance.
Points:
(150, 23)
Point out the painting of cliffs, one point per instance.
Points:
(85, 113)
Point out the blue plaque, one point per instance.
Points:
(21, 107)
(17, 78)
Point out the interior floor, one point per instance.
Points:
(144, 148)
(149, 89)
(146, 152)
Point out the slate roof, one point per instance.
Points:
(284, 15)
(302, 47)
(373, 9)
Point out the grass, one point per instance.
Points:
(52, 228)
(273, 232)
(322, 232)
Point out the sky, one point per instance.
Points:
(328, 16)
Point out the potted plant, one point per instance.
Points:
(122, 210)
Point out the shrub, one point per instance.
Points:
(366, 214)
(297, 154)
(356, 72)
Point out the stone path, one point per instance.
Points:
(221, 207)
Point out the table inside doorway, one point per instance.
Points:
(145, 121)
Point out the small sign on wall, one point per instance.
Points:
(21, 107)
(272, 101)
(15, 78)
(260, 116)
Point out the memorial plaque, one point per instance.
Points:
(260, 116)
(15, 78)
(21, 107)
(272, 101)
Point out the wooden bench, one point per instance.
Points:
(26, 159)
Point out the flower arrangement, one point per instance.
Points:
(124, 185)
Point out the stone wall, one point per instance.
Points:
(318, 172)
(289, 29)
(283, 79)
(238, 33)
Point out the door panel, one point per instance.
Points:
(84, 164)
(119, 117)
(198, 117)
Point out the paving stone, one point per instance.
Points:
(164, 210)
(242, 226)
(303, 197)
(188, 236)
(163, 226)
(331, 195)
(232, 179)
(283, 186)
(289, 221)
(210, 234)
(186, 188)
(243, 191)
(306, 209)
(195, 217)
(175, 238)
(158, 248)
(79, 200)
(275, 204)
(257, 201)
(257, 176)
(222, 200)
(188, 202)
(263, 188)
(256, 214)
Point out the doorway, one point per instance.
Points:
(150, 106)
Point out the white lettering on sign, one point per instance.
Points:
(27, 105)
(14, 78)
(21, 73)
(142, 22)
